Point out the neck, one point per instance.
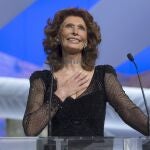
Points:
(72, 62)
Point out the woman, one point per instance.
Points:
(80, 89)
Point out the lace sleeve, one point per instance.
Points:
(126, 109)
(37, 111)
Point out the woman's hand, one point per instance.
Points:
(75, 83)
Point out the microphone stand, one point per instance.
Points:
(130, 57)
(49, 144)
(50, 102)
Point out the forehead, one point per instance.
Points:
(74, 20)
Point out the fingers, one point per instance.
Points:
(83, 80)
(77, 75)
(79, 81)
(80, 76)
(83, 86)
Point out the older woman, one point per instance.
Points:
(80, 89)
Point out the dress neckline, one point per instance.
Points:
(79, 96)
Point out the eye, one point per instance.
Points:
(69, 25)
(82, 27)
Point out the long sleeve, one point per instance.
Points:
(127, 110)
(36, 116)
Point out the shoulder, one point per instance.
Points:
(42, 74)
(107, 69)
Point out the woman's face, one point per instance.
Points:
(73, 34)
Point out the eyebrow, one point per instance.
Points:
(63, 24)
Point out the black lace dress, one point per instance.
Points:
(85, 115)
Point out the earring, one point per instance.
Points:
(85, 45)
(57, 40)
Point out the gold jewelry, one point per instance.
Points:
(85, 45)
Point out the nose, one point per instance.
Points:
(75, 31)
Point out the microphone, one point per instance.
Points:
(131, 58)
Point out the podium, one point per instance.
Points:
(74, 143)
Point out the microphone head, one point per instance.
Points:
(130, 57)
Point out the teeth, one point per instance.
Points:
(72, 39)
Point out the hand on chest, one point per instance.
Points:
(74, 84)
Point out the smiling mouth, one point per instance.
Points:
(74, 40)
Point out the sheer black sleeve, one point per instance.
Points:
(126, 109)
(36, 116)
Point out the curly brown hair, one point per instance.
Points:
(53, 48)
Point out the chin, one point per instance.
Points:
(73, 50)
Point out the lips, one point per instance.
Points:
(73, 39)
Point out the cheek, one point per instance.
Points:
(63, 35)
(63, 40)
(84, 36)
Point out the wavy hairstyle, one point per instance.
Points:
(52, 46)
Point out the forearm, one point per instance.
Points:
(35, 122)
(136, 119)
(127, 110)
